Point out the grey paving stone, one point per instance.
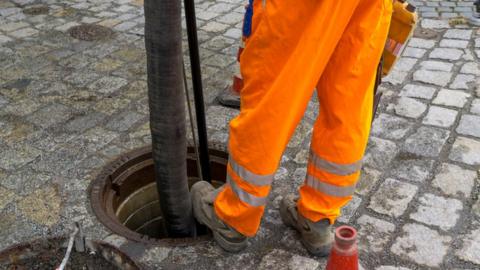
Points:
(439, 78)
(468, 55)
(8, 27)
(411, 167)
(390, 127)
(206, 15)
(50, 115)
(438, 211)
(25, 181)
(374, 233)
(454, 43)
(417, 91)
(395, 77)
(466, 150)
(462, 81)
(434, 24)
(471, 68)
(475, 106)
(221, 7)
(470, 250)
(421, 43)
(436, 65)
(379, 153)
(421, 245)
(368, 179)
(409, 107)
(84, 122)
(430, 15)
(349, 210)
(283, 260)
(18, 156)
(66, 26)
(108, 84)
(453, 180)
(234, 33)
(414, 52)
(451, 98)
(469, 125)
(440, 117)
(476, 208)
(24, 32)
(81, 78)
(405, 64)
(390, 267)
(427, 141)
(9, 11)
(231, 18)
(446, 54)
(458, 34)
(392, 198)
(477, 43)
(3, 102)
(124, 121)
(4, 39)
(93, 140)
(125, 26)
(214, 27)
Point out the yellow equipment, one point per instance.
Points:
(404, 20)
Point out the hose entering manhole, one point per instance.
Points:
(124, 196)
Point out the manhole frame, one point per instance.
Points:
(97, 188)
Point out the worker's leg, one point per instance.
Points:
(341, 131)
(284, 57)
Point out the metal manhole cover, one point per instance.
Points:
(425, 33)
(36, 10)
(90, 32)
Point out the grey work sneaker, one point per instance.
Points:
(317, 237)
(203, 196)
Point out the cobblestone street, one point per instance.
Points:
(68, 107)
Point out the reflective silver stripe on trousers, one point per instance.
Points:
(246, 175)
(329, 189)
(335, 168)
(245, 196)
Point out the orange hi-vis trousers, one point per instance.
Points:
(294, 47)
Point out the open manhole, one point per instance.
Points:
(48, 254)
(36, 10)
(124, 197)
(90, 32)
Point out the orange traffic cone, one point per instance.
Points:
(344, 254)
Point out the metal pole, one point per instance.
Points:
(197, 88)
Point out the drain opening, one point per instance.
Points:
(124, 197)
(90, 32)
(36, 10)
(48, 253)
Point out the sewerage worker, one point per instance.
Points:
(292, 48)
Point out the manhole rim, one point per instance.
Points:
(98, 184)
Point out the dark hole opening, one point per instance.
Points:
(128, 202)
(346, 233)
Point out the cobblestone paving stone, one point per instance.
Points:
(67, 107)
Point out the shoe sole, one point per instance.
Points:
(218, 237)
